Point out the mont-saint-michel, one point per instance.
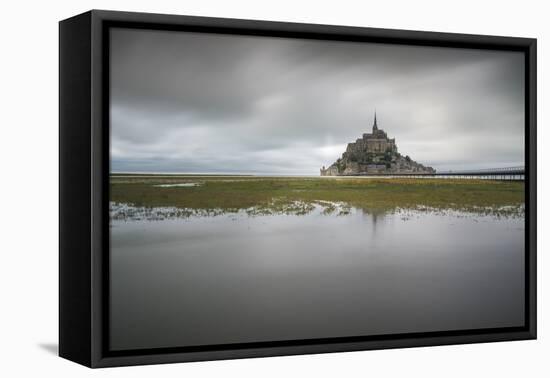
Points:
(374, 154)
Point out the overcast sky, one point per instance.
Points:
(210, 103)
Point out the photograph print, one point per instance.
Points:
(266, 189)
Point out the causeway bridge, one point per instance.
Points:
(508, 173)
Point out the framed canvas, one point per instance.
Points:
(235, 188)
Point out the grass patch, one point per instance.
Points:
(264, 195)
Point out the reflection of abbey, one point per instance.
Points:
(374, 153)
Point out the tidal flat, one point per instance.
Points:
(188, 195)
(198, 260)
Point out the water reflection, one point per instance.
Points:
(231, 277)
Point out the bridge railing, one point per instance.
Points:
(504, 170)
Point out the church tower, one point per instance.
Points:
(375, 126)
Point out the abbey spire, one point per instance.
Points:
(375, 126)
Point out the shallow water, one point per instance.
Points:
(182, 185)
(234, 278)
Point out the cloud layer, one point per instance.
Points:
(211, 103)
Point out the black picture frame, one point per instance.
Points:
(84, 187)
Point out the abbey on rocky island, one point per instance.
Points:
(373, 154)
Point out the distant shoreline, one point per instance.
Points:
(141, 174)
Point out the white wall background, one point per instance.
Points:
(29, 187)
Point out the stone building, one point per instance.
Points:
(372, 154)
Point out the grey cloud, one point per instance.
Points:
(191, 102)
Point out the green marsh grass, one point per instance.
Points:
(299, 195)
